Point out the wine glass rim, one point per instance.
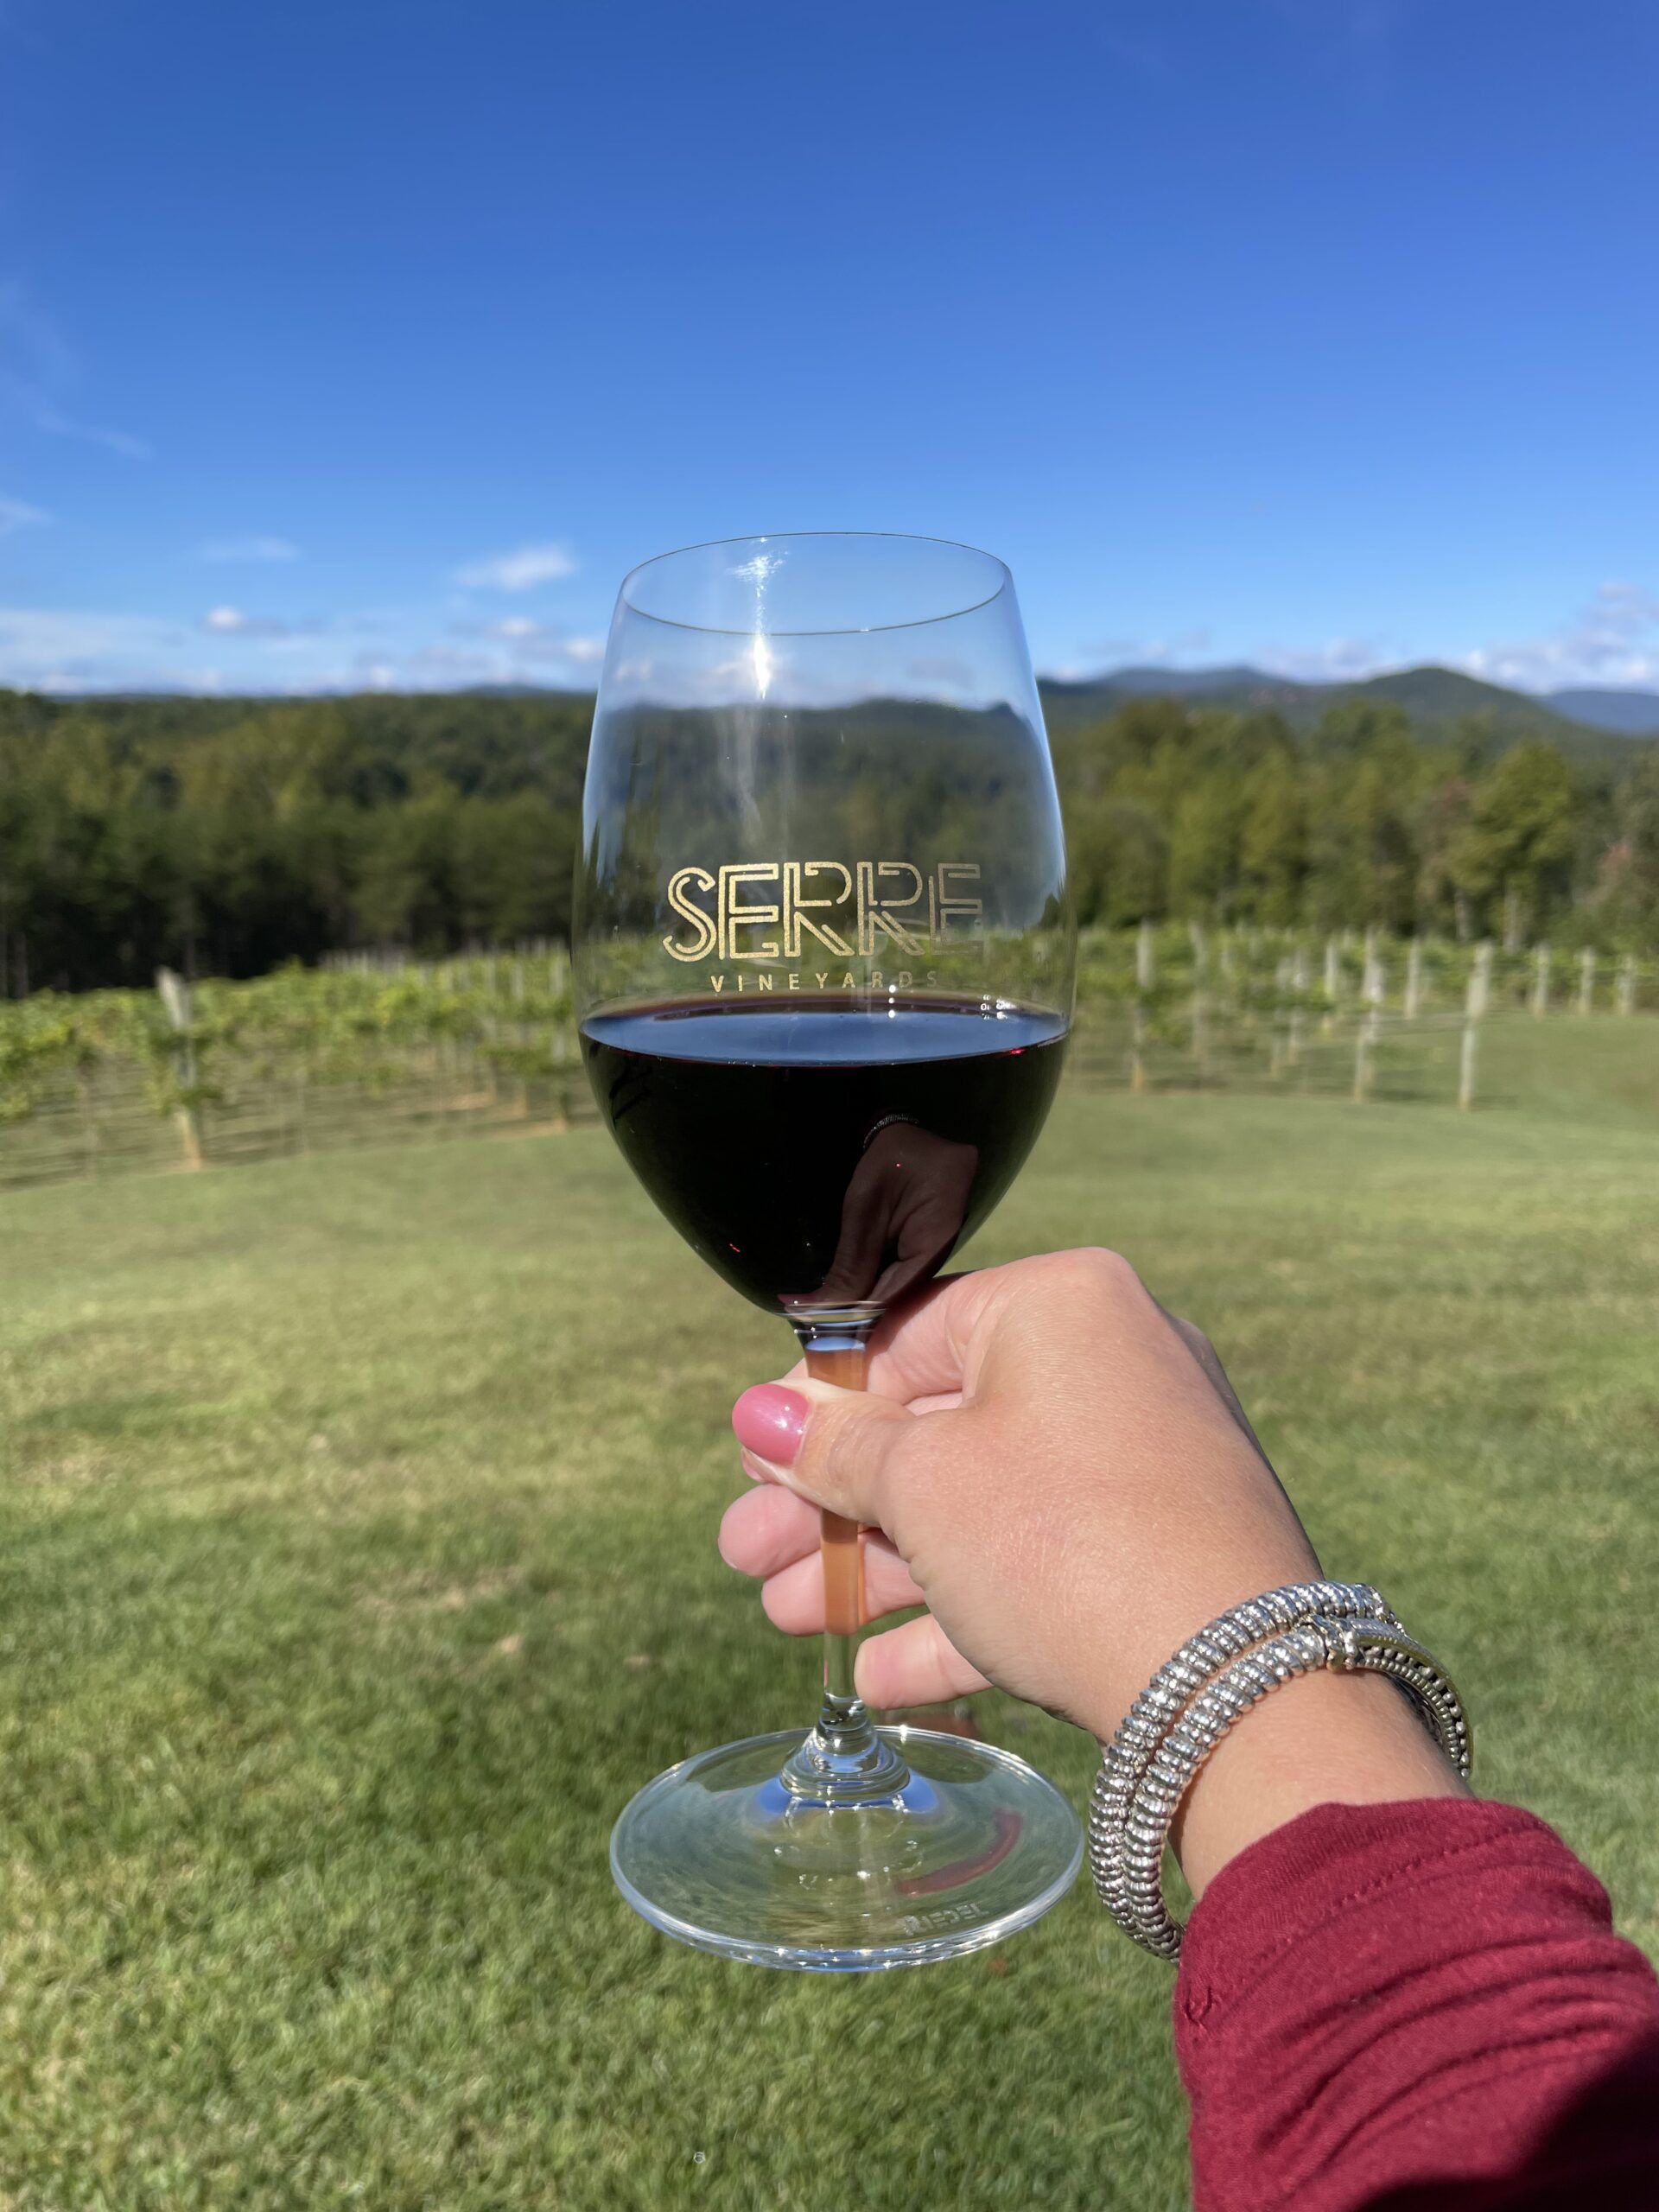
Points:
(1004, 580)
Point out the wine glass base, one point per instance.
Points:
(718, 1854)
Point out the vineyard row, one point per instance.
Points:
(368, 1048)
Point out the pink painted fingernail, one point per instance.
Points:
(770, 1421)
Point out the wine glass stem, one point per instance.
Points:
(842, 1760)
(841, 1542)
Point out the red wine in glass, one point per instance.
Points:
(816, 1149)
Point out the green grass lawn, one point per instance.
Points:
(358, 1563)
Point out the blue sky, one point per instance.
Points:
(361, 343)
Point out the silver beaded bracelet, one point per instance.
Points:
(1194, 1699)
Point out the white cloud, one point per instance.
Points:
(231, 622)
(582, 649)
(252, 548)
(16, 513)
(519, 570)
(1613, 641)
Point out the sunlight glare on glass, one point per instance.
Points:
(758, 572)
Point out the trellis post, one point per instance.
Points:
(1145, 959)
(178, 1004)
(1539, 1001)
(1474, 1006)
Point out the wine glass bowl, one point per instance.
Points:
(823, 959)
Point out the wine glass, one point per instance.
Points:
(824, 960)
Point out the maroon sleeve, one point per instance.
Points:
(1406, 2007)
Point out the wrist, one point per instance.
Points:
(1332, 1744)
(1321, 1739)
(1125, 1649)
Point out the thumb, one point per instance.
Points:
(837, 1447)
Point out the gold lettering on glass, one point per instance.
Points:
(795, 904)
(951, 905)
(844, 910)
(679, 898)
(877, 907)
(737, 913)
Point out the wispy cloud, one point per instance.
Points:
(531, 639)
(527, 640)
(1134, 48)
(17, 514)
(444, 664)
(1613, 641)
(1339, 660)
(519, 570)
(37, 351)
(1367, 25)
(230, 647)
(39, 366)
(523, 631)
(252, 548)
(52, 649)
(121, 442)
(1150, 652)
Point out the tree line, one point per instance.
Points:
(227, 836)
(1175, 811)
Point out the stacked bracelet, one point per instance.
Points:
(1192, 1702)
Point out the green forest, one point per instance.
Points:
(226, 837)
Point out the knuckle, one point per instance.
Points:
(854, 1442)
(1109, 1269)
(880, 1442)
(923, 1460)
(1094, 1271)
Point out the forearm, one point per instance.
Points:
(1415, 2005)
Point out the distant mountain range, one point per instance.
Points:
(1632, 714)
(1588, 723)
(1592, 724)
